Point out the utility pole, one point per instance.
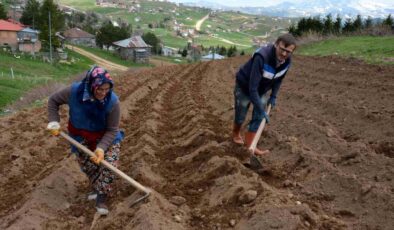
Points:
(13, 7)
(50, 38)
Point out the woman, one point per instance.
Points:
(94, 116)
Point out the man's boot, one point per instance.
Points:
(249, 136)
(101, 204)
(237, 139)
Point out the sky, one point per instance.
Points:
(263, 2)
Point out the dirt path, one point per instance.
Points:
(201, 21)
(99, 61)
(198, 28)
(331, 164)
(230, 42)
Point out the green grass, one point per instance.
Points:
(29, 73)
(169, 38)
(80, 4)
(112, 57)
(374, 50)
(176, 60)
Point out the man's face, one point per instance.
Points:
(283, 52)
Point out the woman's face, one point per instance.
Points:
(101, 91)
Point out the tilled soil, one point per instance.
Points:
(331, 165)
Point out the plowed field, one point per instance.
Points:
(331, 165)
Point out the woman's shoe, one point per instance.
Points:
(101, 205)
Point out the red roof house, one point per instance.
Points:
(9, 26)
(8, 34)
(18, 37)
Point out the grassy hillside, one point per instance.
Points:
(112, 57)
(29, 73)
(375, 50)
(223, 28)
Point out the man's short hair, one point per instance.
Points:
(287, 39)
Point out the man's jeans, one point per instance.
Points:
(241, 104)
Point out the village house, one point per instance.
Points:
(258, 42)
(212, 56)
(168, 51)
(8, 34)
(248, 26)
(133, 9)
(79, 37)
(105, 3)
(18, 38)
(28, 41)
(194, 51)
(134, 49)
(122, 4)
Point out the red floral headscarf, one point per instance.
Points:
(95, 78)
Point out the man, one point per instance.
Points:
(264, 72)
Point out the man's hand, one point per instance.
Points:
(99, 156)
(54, 128)
(272, 101)
(267, 118)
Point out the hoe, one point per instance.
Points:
(255, 163)
(134, 183)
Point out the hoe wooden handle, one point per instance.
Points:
(256, 138)
(106, 164)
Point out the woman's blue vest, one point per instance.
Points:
(89, 115)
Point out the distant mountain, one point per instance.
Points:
(345, 8)
(206, 4)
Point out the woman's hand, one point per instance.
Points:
(99, 156)
(54, 128)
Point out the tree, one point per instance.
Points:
(348, 27)
(388, 21)
(184, 52)
(104, 35)
(3, 13)
(357, 24)
(90, 24)
(317, 25)
(368, 22)
(301, 26)
(293, 30)
(337, 25)
(328, 25)
(222, 51)
(108, 33)
(151, 39)
(232, 51)
(122, 32)
(307, 25)
(57, 23)
(31, 13)
(75, 19)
